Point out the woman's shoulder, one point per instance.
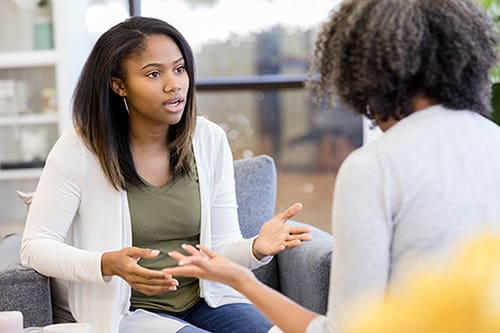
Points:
(206, 127)
(69, 145)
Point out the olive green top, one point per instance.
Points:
(164, 219)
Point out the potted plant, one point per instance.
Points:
(493, 8)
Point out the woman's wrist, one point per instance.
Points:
(243, 281)
(258, 255)
(106, 266)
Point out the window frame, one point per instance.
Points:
(227, 83)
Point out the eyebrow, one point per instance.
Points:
(155, 64)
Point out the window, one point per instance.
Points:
(252, 58)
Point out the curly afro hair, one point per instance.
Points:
(381, 53)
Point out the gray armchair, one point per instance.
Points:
(301, 273)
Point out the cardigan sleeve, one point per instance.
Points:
(51, 214)
(226, 234)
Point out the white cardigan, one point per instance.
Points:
(76, 215)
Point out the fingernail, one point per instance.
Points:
(183, 246)
(173, 288)
(155, 252)
(183, 262)
(176, 282)
(169, 253)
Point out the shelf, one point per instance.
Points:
(32, 119)
(23, 59)
(20, 174)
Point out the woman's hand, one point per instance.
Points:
(276, 236)
(206, 264)
(124, 264)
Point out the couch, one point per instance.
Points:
(301, 273)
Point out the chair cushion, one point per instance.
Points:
(307, 266)
(256, 196)
(255, 192)
(21, 288)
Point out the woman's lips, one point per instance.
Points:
(174, 105)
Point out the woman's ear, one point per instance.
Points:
(118, 86)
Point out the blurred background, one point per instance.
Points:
(252, 58)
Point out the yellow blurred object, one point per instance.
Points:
(464, 297)
(49, 100)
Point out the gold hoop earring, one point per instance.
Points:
(126, 105)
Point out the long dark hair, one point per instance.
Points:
(381, 53)
(99, 114)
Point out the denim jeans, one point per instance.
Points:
(230, 318)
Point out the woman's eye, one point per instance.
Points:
(154, 74)
(180, 69)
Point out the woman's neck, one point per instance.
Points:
(148, 137)
(418, 102)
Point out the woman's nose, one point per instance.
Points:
(171, 84)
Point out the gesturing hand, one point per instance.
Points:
(276, 236)
(124, 264)
(208, 265)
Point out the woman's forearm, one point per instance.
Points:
(282, 311)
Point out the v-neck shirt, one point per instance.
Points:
(164, 218)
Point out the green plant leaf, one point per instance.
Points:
(487, 3)
(495, 74)
(495, 102)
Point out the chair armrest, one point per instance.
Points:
(304, 271)
(22, 288)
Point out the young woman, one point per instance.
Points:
(138, 176)
(419, 69)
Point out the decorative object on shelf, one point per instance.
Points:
(7, 93)
(13, 96)
(49, 100)
(33, 143)
(43, 31)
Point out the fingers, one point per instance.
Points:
(291, 211)
(211, 254)
(298, 230)
(191, 250)
(152, 286)
(177, 255)
(188, 271)
(149, 289)
(202, 252)
(198, 257)
(301, 237)
(195, 259)
(147, 274)
(293, 243)
(137, 253)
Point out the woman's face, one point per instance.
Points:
(156, 82)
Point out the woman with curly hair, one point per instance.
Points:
(419, 70)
